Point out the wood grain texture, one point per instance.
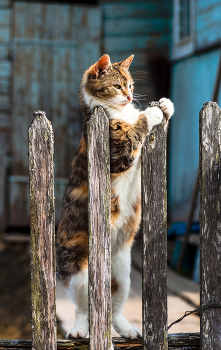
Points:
(207, 23)
(43, 282)
(5, 3)
(138, 9)
(210, 223)
(154, 231)
(53, 44)
(98, 154)
(179, 341)
(4, 161)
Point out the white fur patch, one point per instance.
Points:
(167, 107)
(154, 116)
(78, 293)
(127, 113)
(78, 290)
(120, 271)
(127, 187)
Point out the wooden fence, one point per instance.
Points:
(154, 227)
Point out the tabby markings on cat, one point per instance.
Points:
(110, 86)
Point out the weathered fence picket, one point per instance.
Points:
(42, 227)
(98, 155)
(154, 232)
(154, 219)
(210, 224)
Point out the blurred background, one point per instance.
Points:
(45, 47)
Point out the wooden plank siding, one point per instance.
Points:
(143, 29)
(44, 49)
(192, 83)
(5, 103)
(208, 24)
(5, 62)
(52, 48)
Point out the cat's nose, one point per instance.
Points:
(130, 97)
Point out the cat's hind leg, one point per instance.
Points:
(120, 284)
(78, 292)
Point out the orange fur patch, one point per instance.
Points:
(114, 286)
(79, 238)
(115, 208)
(134, 153)
(82, 146)
(80, 192)
(83, 264)
(133, 222)
(61, 235)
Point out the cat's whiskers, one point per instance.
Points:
(139, 71)
(136, 101)
(139, 97)
(139, 79)
(140, 76)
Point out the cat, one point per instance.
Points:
(110, 86)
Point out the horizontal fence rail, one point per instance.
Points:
(175, 342)
(154, 240)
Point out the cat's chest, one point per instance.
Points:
(128, 114)
(127, 189)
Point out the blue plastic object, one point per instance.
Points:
(179, 228)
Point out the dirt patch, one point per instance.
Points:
(15, 304)
(15, 292)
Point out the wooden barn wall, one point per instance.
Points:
(193, 80)
(208, 22)
(44, 49)
(5, 102)
(53, 44)
(142, 28)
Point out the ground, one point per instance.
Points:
(15, 304)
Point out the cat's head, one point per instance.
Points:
(109, 85)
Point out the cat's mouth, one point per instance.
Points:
(127, 101)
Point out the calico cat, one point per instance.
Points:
(110, 86)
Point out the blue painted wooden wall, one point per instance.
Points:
(5, 101)
(192, 83)
(44, 50)
(142, 28)
(208, 22)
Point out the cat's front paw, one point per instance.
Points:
(167, 107)
(154, 117)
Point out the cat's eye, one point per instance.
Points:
(118, 86)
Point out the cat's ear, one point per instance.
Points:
(126, 63)
(103, 63)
